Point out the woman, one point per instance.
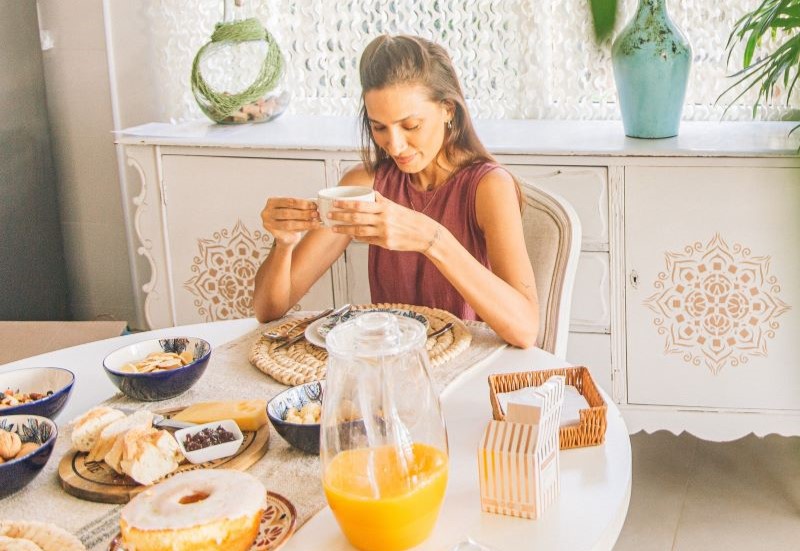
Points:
(445, 230)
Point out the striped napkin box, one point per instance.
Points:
(518, 458)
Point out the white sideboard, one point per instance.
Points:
(686, 305)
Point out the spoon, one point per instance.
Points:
(284, 334)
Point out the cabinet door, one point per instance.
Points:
(586, 189)
(215, 240)
(713, 287)
(590, 311)
(592, 350)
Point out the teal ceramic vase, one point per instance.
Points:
(651, 59)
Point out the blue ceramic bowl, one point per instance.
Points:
(15, 474)
(55, 380)
(302, 437)
(161, 385)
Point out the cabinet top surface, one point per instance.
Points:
(521, 137)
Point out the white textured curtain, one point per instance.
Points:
(516, 58)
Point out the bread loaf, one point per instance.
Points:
(87, 427)
(45, 536)
(105, 441)
(149, 454)
(15, 544)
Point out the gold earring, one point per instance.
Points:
(450, 124)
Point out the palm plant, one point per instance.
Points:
(773, 18)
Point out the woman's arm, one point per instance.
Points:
(296, 262)
(504, 297)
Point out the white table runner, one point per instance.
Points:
(229, 376)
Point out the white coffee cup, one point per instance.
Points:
(326, 197)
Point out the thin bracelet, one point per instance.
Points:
(433, 240)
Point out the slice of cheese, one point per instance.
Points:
(248, 414)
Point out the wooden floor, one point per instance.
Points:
(23, 339)
(693, 495)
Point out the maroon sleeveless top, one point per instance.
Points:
(409, 277)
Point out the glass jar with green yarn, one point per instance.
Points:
(239, 75)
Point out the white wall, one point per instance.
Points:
(32, 265)
(92, 210)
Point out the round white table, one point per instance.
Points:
(595, 482)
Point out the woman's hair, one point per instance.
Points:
(402, 59)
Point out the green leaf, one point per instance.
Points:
(778, 19)
(604, 16)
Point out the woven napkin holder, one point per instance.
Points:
(518, 463)
(591, 431)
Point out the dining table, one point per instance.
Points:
(595, 482)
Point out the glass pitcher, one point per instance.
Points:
(383, 442)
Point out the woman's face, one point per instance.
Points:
(407, 125)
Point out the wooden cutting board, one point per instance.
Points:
(96, 481)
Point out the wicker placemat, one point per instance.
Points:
(303, 362)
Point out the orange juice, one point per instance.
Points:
(383, 500)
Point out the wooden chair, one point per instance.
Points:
(553, 238)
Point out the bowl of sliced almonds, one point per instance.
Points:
(158, 369)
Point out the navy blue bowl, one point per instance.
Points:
(15, 474)
(302, 437)
(56, 380)
(151, 387)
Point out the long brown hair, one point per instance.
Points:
(402, 59)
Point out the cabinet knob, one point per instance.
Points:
(634, 279)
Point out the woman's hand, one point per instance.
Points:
(287, 218)
(385, 223)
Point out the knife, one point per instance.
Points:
(338, 312)
(161, 422)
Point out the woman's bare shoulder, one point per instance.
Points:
(357, 175)
(496, 182)
(496, 196)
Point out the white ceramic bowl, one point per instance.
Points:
(211, 453)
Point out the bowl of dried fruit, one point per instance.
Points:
(35, 391)
(158, 369)
(295, 414)
(26, 443)
(210, 441)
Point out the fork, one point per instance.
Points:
(283, 335)
(300, 336)
(441, 330)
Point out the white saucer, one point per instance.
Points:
(316, 332)
(312, 333)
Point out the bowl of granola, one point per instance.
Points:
(40, 391)
(158, 369)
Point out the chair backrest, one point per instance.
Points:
(553, 239)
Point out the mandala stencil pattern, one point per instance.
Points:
(716, 305)
(226, 268)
